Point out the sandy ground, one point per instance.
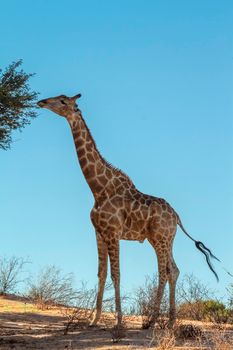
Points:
(23, 326)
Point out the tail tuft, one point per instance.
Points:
(207, 254)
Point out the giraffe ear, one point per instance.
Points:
(75, 97)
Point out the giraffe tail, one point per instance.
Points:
(199, 245)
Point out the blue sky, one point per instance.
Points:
(157, 82)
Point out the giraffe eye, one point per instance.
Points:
(63, 102)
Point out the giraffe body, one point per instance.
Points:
(121, 212)
(135, 215)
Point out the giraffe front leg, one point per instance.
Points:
(113, 251)
(102, 274)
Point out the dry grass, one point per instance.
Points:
(23, 327)
(164, 340)
(220, 338)
(193, 337)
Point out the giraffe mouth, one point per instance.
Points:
(41, 103)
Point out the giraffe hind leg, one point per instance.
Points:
(162, 258)
(173, 274)
(113, 251)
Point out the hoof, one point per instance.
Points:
(93, 325)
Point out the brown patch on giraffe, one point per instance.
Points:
(166, 216)
(117, 182)
(81, 152)
(83, 162)
(89, 171)
(118, 201)
(108, 173)
(90, 157)
(158, 236)
(158, 209)
(114, 221)
(103, 180)
(108, 207)
(79, 142)
(89, 147)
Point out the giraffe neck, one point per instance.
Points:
(96, 170)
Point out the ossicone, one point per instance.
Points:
(75, 97)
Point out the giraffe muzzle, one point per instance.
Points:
(41, 103)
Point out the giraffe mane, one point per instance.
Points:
(117, 170)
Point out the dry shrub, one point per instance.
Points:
(75, 317)
(11, 270)
(83, 307)
(191, 294)
(165, 339)
(191, 311)
(81, 312)
(118, 333)
(52, 288)
(162, 322)
(188, 331)
(144, 302)
(218, 339)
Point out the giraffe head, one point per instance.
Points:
(61, 104)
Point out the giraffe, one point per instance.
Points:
(122, 212)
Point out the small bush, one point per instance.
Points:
(117, 333)
(11, 273)
(144, 301)
(81, 312)
(191, 293)
(206, 310)
(83, 307)
(188, 331)
(215, 311)
(164, 340)
(52, 288)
